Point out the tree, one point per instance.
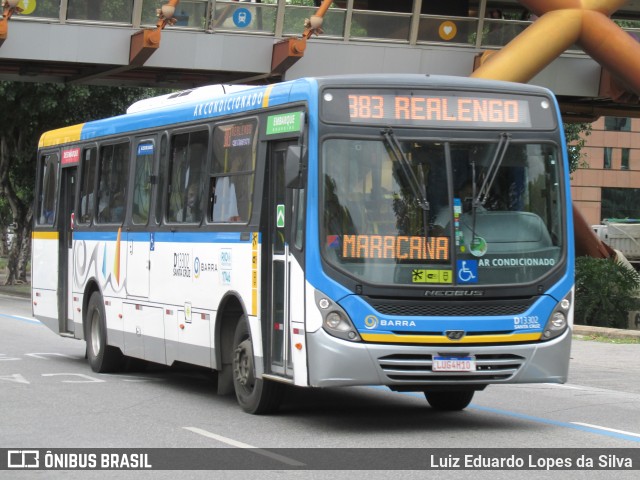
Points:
(36, 108)
(575, 134)
(606, 291)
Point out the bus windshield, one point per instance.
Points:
(417, 211)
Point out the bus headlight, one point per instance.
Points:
(559, 319)
(335, 320)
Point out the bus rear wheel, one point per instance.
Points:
(255, 395)
(449, 401)
(102, 357)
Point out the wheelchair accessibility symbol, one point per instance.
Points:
(467, 271)
(241, 17)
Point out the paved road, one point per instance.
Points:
(51, 399)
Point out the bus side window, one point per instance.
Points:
(88, 185)
(162, 173)
(185, 182)
(231, 181)
(142, 184)
(48, 190)
(113, 182)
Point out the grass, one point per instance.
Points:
(605, 339)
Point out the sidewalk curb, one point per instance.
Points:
(587, 330)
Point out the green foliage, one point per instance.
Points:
(575, 134)
(29, 110)
(37, 108)
(102, 10)
(605, 292)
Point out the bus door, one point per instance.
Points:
(279, 264)
(66, 219)
(139, 238)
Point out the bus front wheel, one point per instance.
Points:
(255, 395)
(449, 401)
(102, 357)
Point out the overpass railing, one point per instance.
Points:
(281, 18)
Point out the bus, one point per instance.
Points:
(409, 231)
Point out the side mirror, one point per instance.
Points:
(293, 167)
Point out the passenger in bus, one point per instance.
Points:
(48, 215)
(114, 212)
(191, 210)
(225, 204)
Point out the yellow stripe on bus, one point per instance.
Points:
(60, 136)
(45, 235)
(265, 97)
(254, 273)
(390, 338)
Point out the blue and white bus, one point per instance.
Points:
(410, 231)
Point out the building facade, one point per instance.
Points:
(609, 187)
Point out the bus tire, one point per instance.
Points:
(254, 395)
(103, 358)
(449, 401)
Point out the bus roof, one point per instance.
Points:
(214, 101)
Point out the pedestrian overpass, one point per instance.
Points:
(223, 41)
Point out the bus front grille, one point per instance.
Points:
(418, 368)
(426, 308)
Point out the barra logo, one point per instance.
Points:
(371, 322)
(196, 268)
(23, 459)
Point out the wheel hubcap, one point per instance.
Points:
(95, 334)
(243, 364)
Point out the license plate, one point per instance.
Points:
(454, 364)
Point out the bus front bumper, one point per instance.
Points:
(336, 362)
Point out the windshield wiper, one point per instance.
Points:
(501, 150)
(418, 187)
(480, 199)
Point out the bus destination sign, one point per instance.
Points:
(426, 109)
(391, 247)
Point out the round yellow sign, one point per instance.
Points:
(27, 6)
(447, 30)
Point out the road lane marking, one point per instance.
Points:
(22, 319)
(584, 427)
(565, 386)
(598, 427)
(574, 425)
(237, 444)
(41, 356)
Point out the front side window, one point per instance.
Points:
(47, 199)
(411, 212)
(88, 184)
(231, 180)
